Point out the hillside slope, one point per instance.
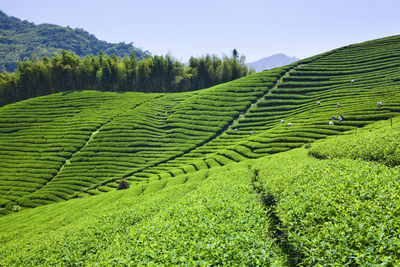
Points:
(20, 39)
(70, 145)
(287, 209)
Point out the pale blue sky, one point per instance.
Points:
(256, 28)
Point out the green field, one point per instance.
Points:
(216, 178)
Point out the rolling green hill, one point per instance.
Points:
(215, 176)
(22, 39)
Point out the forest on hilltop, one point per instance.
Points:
(22, 39)
(67, 71)
(43, 59)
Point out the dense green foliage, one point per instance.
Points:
(66, 72)
(284, 209)
(22, 39)
(35, 146)
(97, 147)
(207, 184)
(334, 212)
(69, 145)
(205, 218)
(381, 145)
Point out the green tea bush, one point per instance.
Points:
(201, 219)
(381, 145)
(334, 212)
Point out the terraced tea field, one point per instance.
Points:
(287, 209)
(70, 145)
(206, 188)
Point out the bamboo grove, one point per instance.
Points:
(67, 72)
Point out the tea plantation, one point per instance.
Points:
(275, 168)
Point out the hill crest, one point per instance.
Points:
(26, 39)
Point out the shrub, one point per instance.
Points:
(123, 184)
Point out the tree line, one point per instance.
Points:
(67, 71)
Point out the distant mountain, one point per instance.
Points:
(271, 62)
(21, 39)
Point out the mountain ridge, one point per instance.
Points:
(20, 39)
(274, 61)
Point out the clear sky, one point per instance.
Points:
(256, 28)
